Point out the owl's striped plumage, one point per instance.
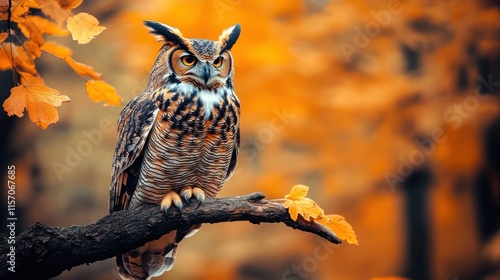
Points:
(179, 138)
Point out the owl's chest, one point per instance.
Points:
(189, 120)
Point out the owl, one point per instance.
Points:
(178, 140)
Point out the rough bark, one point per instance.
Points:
(43, 252)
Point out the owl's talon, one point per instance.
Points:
(187, 193)
(200, 196)
(169, 199)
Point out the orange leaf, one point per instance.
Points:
(18, 12)
(101, 91)
(52, 9)
(3, 36)
(30, 30)
(389, 278)
(22, 61)
(84, 27)
(83, 69)
(70, 4)
(340, 227)
(46, 26)
(38, 99)
(56, 50)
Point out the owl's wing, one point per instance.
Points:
(134, 125)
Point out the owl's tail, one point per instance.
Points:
(154, 258)
(150, 260)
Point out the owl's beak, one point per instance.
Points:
(206, 73)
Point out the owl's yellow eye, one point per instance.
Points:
(188, 60)
(218, 61)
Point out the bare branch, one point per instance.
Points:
(43, 252)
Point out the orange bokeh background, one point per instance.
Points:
(388, 110)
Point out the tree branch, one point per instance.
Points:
(43, 252)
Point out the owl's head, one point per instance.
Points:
(203, 63)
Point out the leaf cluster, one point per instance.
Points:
(22, 41)
(298, 204)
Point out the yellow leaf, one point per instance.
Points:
(38, 99)
(306, 207)
(340, 227)
(83, 69)
(84, 27)
(101, 91)
(297, 203)
(297, 192)
(56, 50)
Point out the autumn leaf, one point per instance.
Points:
(3, 36)
(46, 26)
(84, 27)
(390, 278)
(101, 91)
(70, 4)
(83, 69)
(297, 203)
(22, 60)
(339, 226)
(53, 9)
(38, 99)
(297, 192)
(56, 50)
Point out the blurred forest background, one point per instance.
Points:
(388, 110)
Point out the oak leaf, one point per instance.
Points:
(340, 227)
(38, 99)
(101, 91)
(84, 27)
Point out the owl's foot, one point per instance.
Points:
(169, 199)
(189, 192)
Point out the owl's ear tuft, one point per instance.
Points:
(229, 37)
(164, 33)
